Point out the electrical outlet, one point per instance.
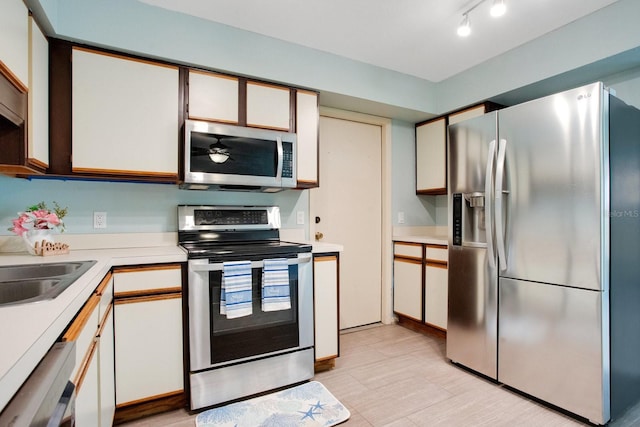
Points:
(400, 217)
(99, 220)
(300, 218)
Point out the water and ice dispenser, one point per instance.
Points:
(469, 219)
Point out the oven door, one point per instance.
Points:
(215, 340)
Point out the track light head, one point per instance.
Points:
(498, 8)
(464, 29)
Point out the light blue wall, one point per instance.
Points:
(130, 207)
(418, 210)
(135, 27)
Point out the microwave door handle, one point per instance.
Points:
(303, 258)
(279, 158)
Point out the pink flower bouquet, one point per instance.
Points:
(39, 217)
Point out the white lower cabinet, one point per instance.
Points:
(148, 336)
(407, 288)
(106, 371)
(420, 285)
(436, 295)
(88, 392)
(325, 296)
(148, 347)
(93, 376)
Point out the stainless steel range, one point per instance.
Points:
(250, 303)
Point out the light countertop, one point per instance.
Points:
(28, 331)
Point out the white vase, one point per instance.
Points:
(32, 237)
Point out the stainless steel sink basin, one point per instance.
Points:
(27, 283)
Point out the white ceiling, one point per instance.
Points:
(415, 37)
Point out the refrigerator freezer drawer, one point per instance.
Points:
(551, 345)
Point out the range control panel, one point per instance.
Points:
(229, 217)
(219, 218)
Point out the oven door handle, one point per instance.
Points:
(302, 258)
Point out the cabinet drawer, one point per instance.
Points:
(436, 253)
(158, 277)
(406, 249)
(105, 293)
(83, 331)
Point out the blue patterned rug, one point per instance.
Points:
(309, 404)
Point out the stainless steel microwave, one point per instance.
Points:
(226, 157)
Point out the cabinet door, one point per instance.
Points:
(325, 293)
(107, 391)
(38, 116)
(87, 394)
(14, 42)
(213, 97)
(268, 106)
(124, 116)
(431, 157)
(148, 347)
(436, 295)
(307, 118)
(407, 288)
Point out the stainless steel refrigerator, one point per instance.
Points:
(544, 250)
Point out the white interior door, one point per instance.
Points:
(348, 204)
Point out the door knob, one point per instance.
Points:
(319, 235)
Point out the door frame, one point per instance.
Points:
(386, 309)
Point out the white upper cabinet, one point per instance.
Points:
(307, 118)
(14, 42)
(431, 157)
(213, 97)
(38, 116)
(124, 115)
(268, 106)
(467, 114)
(431, 148)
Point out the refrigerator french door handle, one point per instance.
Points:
(502, 255)
(488, 218)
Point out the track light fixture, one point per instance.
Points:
(498, 8)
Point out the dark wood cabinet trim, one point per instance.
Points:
(147, 295)
(60, 131)
(81, 319)
(147, 267)
(150, 406)
(418, 326)
(242, 101)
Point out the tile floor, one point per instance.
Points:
(390, 376)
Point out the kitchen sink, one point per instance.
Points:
(27, 283)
